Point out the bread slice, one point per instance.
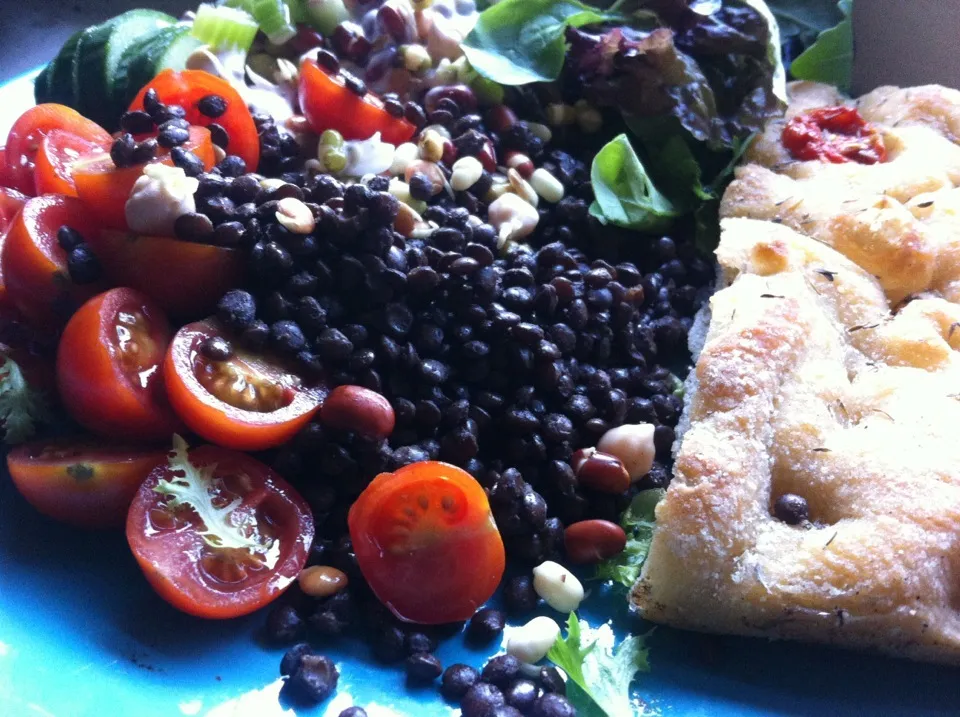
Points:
(815, 377)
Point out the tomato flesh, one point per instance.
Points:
(108, 367)
(81, 482)
(328, 104)
(27, 133)
(35, 266)
(221, 582)
(426, 542)
(11, 202)
(105, 189)
(184, 278)
(833, 134)
(247, 402)
(59, 150)
(187, 87)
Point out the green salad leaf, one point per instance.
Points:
(625, 194)
(802, 21)
(21, 407)
(638, 522)
(600, 671)
(830, 58)
(194, 487)
(516, 42)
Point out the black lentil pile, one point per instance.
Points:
(503, 358)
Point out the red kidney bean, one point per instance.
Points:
(600, 471)
(591, 541)
(358, 409)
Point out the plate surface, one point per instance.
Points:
(81, 634)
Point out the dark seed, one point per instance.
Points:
(122, 151)
(354, 84)
(144, 151)
(212, 105)
(792, 509)
(187, 161)
(218, 135)
(287, 337)
(328, 61)
(171, 135)
(521, 694)
(481, 699)
(236, 310)
(552, 681)
(501, 670)
(216, 348)
(423, 667)
(553, 705)
(68, 238)
(519, 595)
(353, 712)
(315, 678)
(485, 625)
(283, 624)
(457, 680)
(83, 265)
(136, 122)
(291, 658)
(232, 166)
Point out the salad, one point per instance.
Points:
(365, 310)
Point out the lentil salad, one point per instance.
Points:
(506, 324)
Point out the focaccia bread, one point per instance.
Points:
(806, 383)
(899, 219)
(827, 366)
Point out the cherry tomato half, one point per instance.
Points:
(328, 104)
(187, 87)
(28, 132)
(108, 367)
(248, 402)
(252, 567)
(82, 482)
(6, 176)
(426, 542)
(105, 188)
(34, 265)
(59, 150)
(184, 278)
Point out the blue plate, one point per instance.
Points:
(81, 634)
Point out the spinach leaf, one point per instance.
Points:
(830, 58)
(624, 192)
(516, 42)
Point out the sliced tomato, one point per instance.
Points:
(83, 482)
(28, 132)
(184, 278)
(59, 150)
(6, 176)
(187, 87)
(426, 542)
(108, 367)
(249, 402)
(329, 104)
(230, 555)
(11, 202)
(105, 188)
(35, 266)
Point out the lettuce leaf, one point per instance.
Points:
(830, 58)
(21, 407)
(600, 672)
(638, 523)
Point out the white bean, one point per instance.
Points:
(512, 217)
(559, 588)
(531, 642)
(633, 444)
(546, 185)
(465, 173)
(403, 156)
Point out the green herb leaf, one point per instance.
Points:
(21, 407)
(195, 487)
(830, 58)
(600, 672)
(516, 42)
(801, 21)
(625, 194)
(637, 522)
